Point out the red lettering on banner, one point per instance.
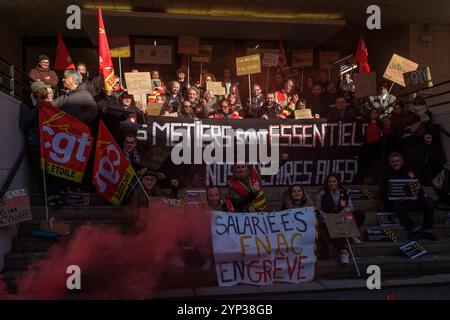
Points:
(300, 267)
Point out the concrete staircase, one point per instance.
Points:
(385, 254)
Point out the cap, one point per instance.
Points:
(38, 85)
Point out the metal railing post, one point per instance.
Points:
(11, 81)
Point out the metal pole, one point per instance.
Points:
(392, 85)
(353, 257)
(120, 71)
(267, 80)
(45, 192)
(201, 72)
(250, 89)
(188, 71)
(140, 183)
(302, 81)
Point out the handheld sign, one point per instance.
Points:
(407, 189)
(341, 225)
(248, 65)
(188, 45)
(139, 84)
(303, 114)
(15, 208)
(327, 59)
(216, 88)
(204, 55)
(270, 60)
(365, 84)
(154, 109)
(397, 67)
(345, 64)
(419, 79)
(150, 54)
(303, 58)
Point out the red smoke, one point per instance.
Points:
(122, 265)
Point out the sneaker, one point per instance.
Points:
(429, 236)
(344, 257)
(414, 236)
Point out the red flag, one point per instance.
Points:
(282, 60)
(63, 60)
(361, 56)
(65, 143)
(112, 171)
(105, 62)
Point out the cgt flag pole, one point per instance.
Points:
(42, 161)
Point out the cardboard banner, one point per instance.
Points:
(315, 148)
(139, 84)
(419, 79)
(303, 114)
(66, 143)
(270, 60)
(397, 67)
(365, 84)
(264, 248)
(204, 55)
(15, 208)
(303, 58)
(112, 173)
(150, 54)
(327, 59)
(216, 88)
(248, 65)
(188, 45)
(341, 225)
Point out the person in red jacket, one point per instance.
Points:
(43, 73)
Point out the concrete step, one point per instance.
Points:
(370, 249)
(440, 230)
(416, 216)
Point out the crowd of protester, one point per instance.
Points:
(402, 136)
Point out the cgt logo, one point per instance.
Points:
(107, 169)
(62, 146)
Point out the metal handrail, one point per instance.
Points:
(17, 79)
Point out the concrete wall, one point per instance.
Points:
(11, 144)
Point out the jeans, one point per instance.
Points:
(401, 210)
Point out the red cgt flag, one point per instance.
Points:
(105, 62)
(282, 60)
(112, 172)
(65, 143)
(361, 55)
(63, 60)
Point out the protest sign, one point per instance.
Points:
(303, 114)
(341, 225)
(419, 79)
(403, 189)
(387, 219)
(15, 208)
(139, 85)
(397, 67)
(154, 109)
(345, 65)
(365, 84)
(204, 54)
(378, 234)
(264, 248)
(327, 59)
(188, 45)
(303, 58)
(270, 60)
(150, 54)
(216, 88)
(413, 250)
(119, 47)
(248, 65)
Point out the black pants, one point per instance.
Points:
(401, 210)
(370, 160)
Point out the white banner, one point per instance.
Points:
(263, 248)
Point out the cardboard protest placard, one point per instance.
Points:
(270, 60)
(216, 88)
(119, 47)
(150, 54)
(248, 65)
(282, 243)
(327, 59)
(365, 84)
(303, 58)
(194, 195)
(387, 219)
(407, 189)
(204, 54)
(188, 45)
(15, 208)
(139, 84)
(419, 79)
(361, 194)
(345, 64)
(397, 67)
(303, 114)
(413, 249)
(154, 109)
(379, 234)
(341, 225)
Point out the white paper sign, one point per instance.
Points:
(270, 60)
(263, 248)
(149, 54)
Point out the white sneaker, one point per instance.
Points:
(344, 257)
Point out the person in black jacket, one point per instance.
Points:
(341, 112)
(78, 102)
(400, 207)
